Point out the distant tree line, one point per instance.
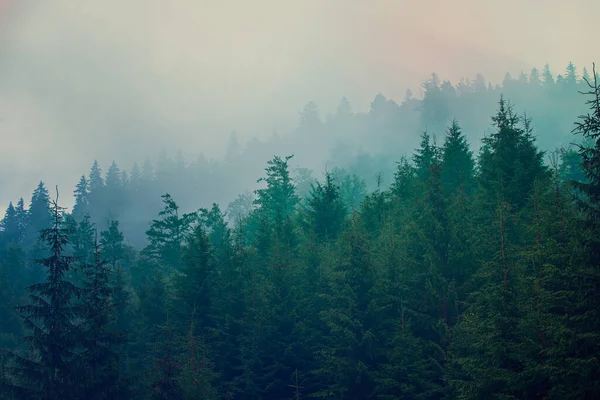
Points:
(473, 274)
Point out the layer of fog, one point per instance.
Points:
(122, 79)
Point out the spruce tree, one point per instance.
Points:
(584, 322)
(51, 372)
(458, 165)
(166, 235)
(82, 197)
(325, 210)
(100, 359)
(112, 244)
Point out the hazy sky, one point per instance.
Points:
(111, 79)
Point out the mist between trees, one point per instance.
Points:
(468, 268)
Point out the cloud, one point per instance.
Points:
(112, 79)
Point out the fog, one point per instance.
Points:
(123, 79)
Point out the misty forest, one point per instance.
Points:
(446, 246)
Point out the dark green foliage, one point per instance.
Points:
(82, 197)
(166, 235)
(510, 162)
(278, 200)
(111, 241)
(100, 357)
(460, 278)
(325, 211)
(425, 156)
(50, 320)
(193, 291)
(458, 164)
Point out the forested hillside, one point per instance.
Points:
(361, 148)
(467, 269)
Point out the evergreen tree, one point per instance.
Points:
(584, 322)
(548, 78)
(424, 156)
(22, 217)
(135, 177)
(166, 235)
(10, 226)
(112, 244)
(278, 200)
(39, 216)
(82, 239)
(534, 77)
(194, 281)
(96, 182)
(458, 165)
(82, 197)
(435, 110)
(325, 211)
(571, 75)
(51, 319)
(99, 359)
(509, 161)
(113, 177)
(403, 187)
(346, 365)
(197, 373)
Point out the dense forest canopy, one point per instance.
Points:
(447, 249)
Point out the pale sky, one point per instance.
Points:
(112, 79)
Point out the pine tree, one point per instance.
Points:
(22, 217)
(96, 194)
(100, 359)
(10, 233)
(435, 110)
(82, 239)
(112, 244)
(51, 320)
(403, 187)
(325, 210)
(194, 281)
(39, 216)
(166, 235)
(278, 200)
(346, 365)
(82, 197)
(353, 190)
(534, 77)
(197, 373)
(166, 385)
(571, 75)
(96, 182)
(135, 177)
(509, 161)
(458, 165)
(113, 177)
(584, 322)
(548, 78)
(424, 157)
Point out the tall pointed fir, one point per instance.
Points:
(584, 322)
(52, 321)
(458, 165)
(325, 211)
(38, 219)
(111, 241)
(166, 235)
(82, 197)
(346, 367)
(100, 358)
(509, 161)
